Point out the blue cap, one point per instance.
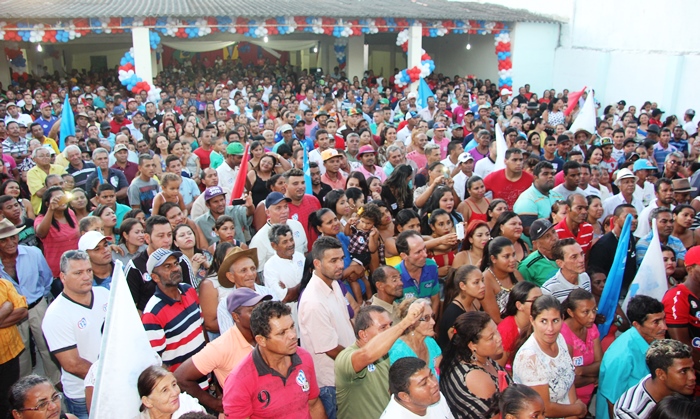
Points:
(411, 114)
(643, 164)
(275, 198)
(118, 110)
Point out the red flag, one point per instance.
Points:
(573, 100)
(239, 184)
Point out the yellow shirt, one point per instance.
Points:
(52, 143)
(11, 340)
(35, 181)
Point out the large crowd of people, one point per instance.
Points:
(410, 279)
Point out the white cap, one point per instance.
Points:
(91, 239)
(506, 92)
(285, 127)
(625, 174)
(464, 157)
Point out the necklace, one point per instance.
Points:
(498, 281)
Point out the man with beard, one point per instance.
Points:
(172, 318)
(278, 378)
(319, 188)
(367, 156)
(387, 282)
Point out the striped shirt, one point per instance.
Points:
(560, 288)
(635, 403)
(584, 236)
(174, 328)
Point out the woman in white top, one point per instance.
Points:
(544, 364)
(161, 397)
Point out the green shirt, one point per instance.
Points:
(536, 268)
(363, 394)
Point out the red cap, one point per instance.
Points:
(692, 256)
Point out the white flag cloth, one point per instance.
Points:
(124, 354)
(501, 148)
(585, 120)
(651, 275)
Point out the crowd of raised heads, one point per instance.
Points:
(313, 245)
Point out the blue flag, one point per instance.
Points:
(613, 285)
(424, 93)
(67, 124)
(307, 173)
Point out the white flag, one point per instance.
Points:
(651, 275)
(501, 148)
(586, 118)
(124, 354)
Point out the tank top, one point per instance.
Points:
(476, 215)
(463, 403)
(259, 190)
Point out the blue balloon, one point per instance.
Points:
(507, 54)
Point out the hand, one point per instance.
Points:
(583, 410)
(199, 259)
(55, 203)
(449, 182)
(438, 181)
(599, 319)
(376, 196)
(414, 312)
(450, 239)
(117, 249)
(354, 218)
(373, 233)
(249, 200)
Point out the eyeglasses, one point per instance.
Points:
(426, 318)
(674, 162)
(41, 407)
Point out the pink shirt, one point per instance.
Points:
(583, 354)
(58, 241)
(378, 172)
(420, 159)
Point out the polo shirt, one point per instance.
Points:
(611, 203)
(338, 184)
(502, 188)
(660, 154)
(70, 325)
(682, 309)
(222, 354)
(35, 181)
(673, 242)
(324, 323)
(426, 286)
(33, 275)
(536, 268)
(584, 236)
(534, 202)
(635, 403)
(392, 309)
(241, 221)
(254, 390)
(10, 147)
(115, 177)
(301, 213)
(174, 328)
(623, 366)
(644, 219)
(46, 124)
(378, 172)
(80, 176)
(361, 394)
(560, 288)
(12, 344)
(130, 170)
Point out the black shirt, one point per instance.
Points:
(322, 193)
(602, 255)
(140, 283)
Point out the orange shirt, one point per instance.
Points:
(223, 354)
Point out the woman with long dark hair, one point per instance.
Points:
(469, 371)
(476, 238)
(515, 327)
(464, 291)
(184, 240)
(510, 226)
(11, 187)
(499, 266)
(131, 240)
(476, 206)
(396, 191)
(57, 227)
(442, 198)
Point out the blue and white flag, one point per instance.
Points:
(613, 285)
(307, 174)
(67, 126)
(651, 276)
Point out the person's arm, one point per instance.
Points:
(157, 202)
(558, 410)
(208, 301)
(188, 377)
(30, 210)
(316, 409)
(13, 316)
(335, 351)
(133, 196)
(35, 184)
(379, 345)
(199, 235)
(423, 198)
(592, 370)
(681, 334)
(181, 204)
(71, 361)
(122, 186)
(249, 180)
(490, 305)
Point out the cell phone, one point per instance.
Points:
(459, 229)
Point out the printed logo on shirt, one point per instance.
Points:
(295, 217)
(146, 277)
(409, 295)
(302, 381)
(213, 233)
(578, 361)
(361, 240)
(82, 324)
(394, 206)
(696, 343)
(429, 285)
(371, 368)
(300, 263)
(693, 304)
(296, 234)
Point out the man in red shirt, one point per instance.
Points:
(509, 183)
(574, 225)
(116, 124)
(204, 149)
(278, 378)
(302, 205)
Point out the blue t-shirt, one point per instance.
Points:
(401, 350)
(427, 284)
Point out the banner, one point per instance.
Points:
(651, 277)
(613, 285)
(67, 126)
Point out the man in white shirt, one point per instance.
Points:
(465, 164)
(644, 191)
(283, 271)
(486, 165)
(664, 198)
(454, 151)
(277, 210)
(689, 126)
(229, 170)
(404, 134)
(73, 327)
(569, 256)
(415, 393)
(13, 114)
(626, 182)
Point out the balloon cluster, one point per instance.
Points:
(154, 38)
(132, 82)
(340, 46)
(256, 30)
(16, 57)
(407, 76)
(435, 30)
(368, 26)
(505, 64)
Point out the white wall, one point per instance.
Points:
(451, 56)
(533, 50)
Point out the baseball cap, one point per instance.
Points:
(91, 239)
(465, 157)
(456, 126)
(118, 110)
(412, 95)
(622, 102)
(275, 198)
(75, 88)
(643, 164)
(484, 106)
(411, 115)
(120, 147)
(104, 125)
(235, 149)
(83, 114)
(539, 228)
(365, 149)
(353, 111)
(301, 121)
(329, 154)
(692, 256)
(321, 113)
(88, 96)
(10, 104)
(44, 105)
(505, 92)
(562, 139)
(244, 297)
(285, 128)
(212, 191)
(629, 140)
(158, 257)
(605, 141)
(469, 112)
(439, 126)
(653, 128)
(625, 174)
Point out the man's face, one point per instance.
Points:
(619, 222)
(331, 264)
(665, 195)
(296, 187)
(572, 178)
(579, 210)
(380, 323)
(78, 277)
(673, 164)
(315, 173)
(564, 147)
(12, 210)
(169, 274)
(627, 186)
(282, 339)
(574, 260)
(46, 112)
(278, 213)
(515, 163)
(243, 273)
(517, 123)
(161, 237)
(680, 376)
(148, 168)
(121, 156)
(665, 137)
(107, 198)
(545, 180)
(13, 130)
(368, 159)
(42, 157)
(285, 248)
(101, 254)
(392, 285)
(664, 223)
(585, 177)
(550, 147)
(101, 160)
(423, 389)
(417, 253)
(8, 245)
(653, 327)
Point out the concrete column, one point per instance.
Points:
(142, 54)
(415, 49)
(5, 74)
(35, 60)
(355, 57)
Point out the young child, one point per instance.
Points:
(216, 158)
(170, 185)
(364, 240)
(225, 230)
(68, 182)
(90, 223)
